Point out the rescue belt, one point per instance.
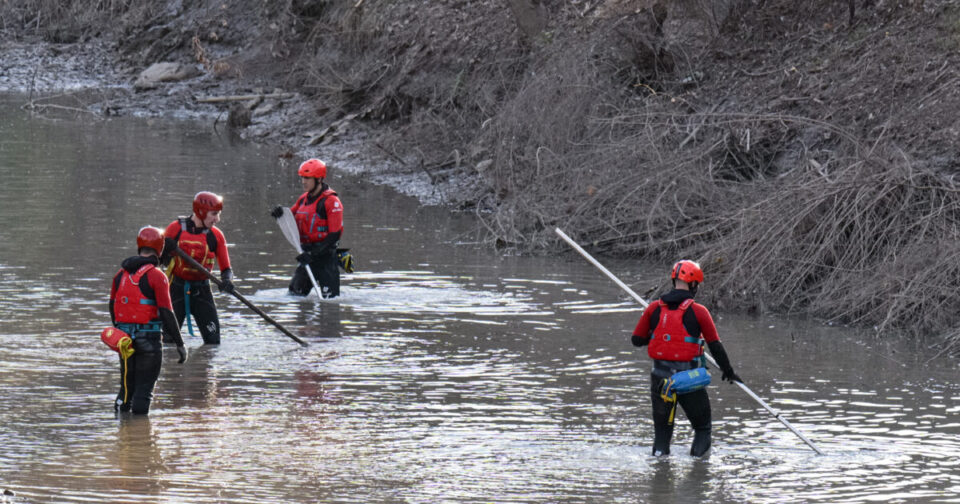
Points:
(682, 382)
(118, 340)
(345, 259)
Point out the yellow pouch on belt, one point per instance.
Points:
(118, 341)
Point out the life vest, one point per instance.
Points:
(202, 247)
(131, 305)
(312, 218)
(670, 340)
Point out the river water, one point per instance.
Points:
(447, 372)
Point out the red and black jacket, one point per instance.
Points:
(675, 327)
(204, 245)
(139, 290)
(318, 217)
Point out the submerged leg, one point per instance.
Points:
(662, 426)
(300, 284)
(696, 406)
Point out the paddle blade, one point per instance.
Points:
(288, 226)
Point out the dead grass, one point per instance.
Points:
(808, 162)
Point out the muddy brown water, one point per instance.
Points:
(446, 373)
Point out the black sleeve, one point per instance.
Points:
(170, 325)
(639, 341)
(169, 245)
(326, 246)
(116, 284)
(716, 349)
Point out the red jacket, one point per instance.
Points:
(138, 291)
(693, 322)
(204, 245)
(317, 219)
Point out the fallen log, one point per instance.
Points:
(221, 99)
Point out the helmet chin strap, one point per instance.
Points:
(317, 186)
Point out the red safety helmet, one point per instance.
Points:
(313, 168)
(687, 270)
(151, 237)
(205, 202)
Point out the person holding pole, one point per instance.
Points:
(319, 216)
(200, 239)
(139, 306)
(675, 329)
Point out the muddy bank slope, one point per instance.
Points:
(807, 159)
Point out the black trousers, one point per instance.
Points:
(695, 405)
(139, 374)
(325, 270)
(202, 308)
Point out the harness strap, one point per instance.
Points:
(186, 306)
(669, 396)
(134, 329)
(124, 384)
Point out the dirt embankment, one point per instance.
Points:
(805, 158)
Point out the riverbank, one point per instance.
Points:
(88, 80)
(807, 159)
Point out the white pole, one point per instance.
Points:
(643, 303)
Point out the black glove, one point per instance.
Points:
(277, 212)
(730, 376)
(304, 258)
(226, 281)
(226, 286)
(183, 354)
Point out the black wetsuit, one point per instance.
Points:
(325, 267)
(202, 307)
(696, 405)
(140, 371)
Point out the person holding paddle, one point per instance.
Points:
(319, 217)
(200, 239)
(139, 306)
(675, 330)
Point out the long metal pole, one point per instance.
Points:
(643, 303)
(193, 262)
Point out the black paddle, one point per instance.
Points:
(193, 262)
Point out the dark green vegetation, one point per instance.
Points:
(808, 162)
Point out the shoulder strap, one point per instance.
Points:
(321, 208)
(211, 241)
(183, 225)
(140, 272)
(145, 287)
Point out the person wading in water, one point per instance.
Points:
(189, 287)
(319, 216)
(139, 306)
(675, 329)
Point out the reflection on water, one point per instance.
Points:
(444, 372)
